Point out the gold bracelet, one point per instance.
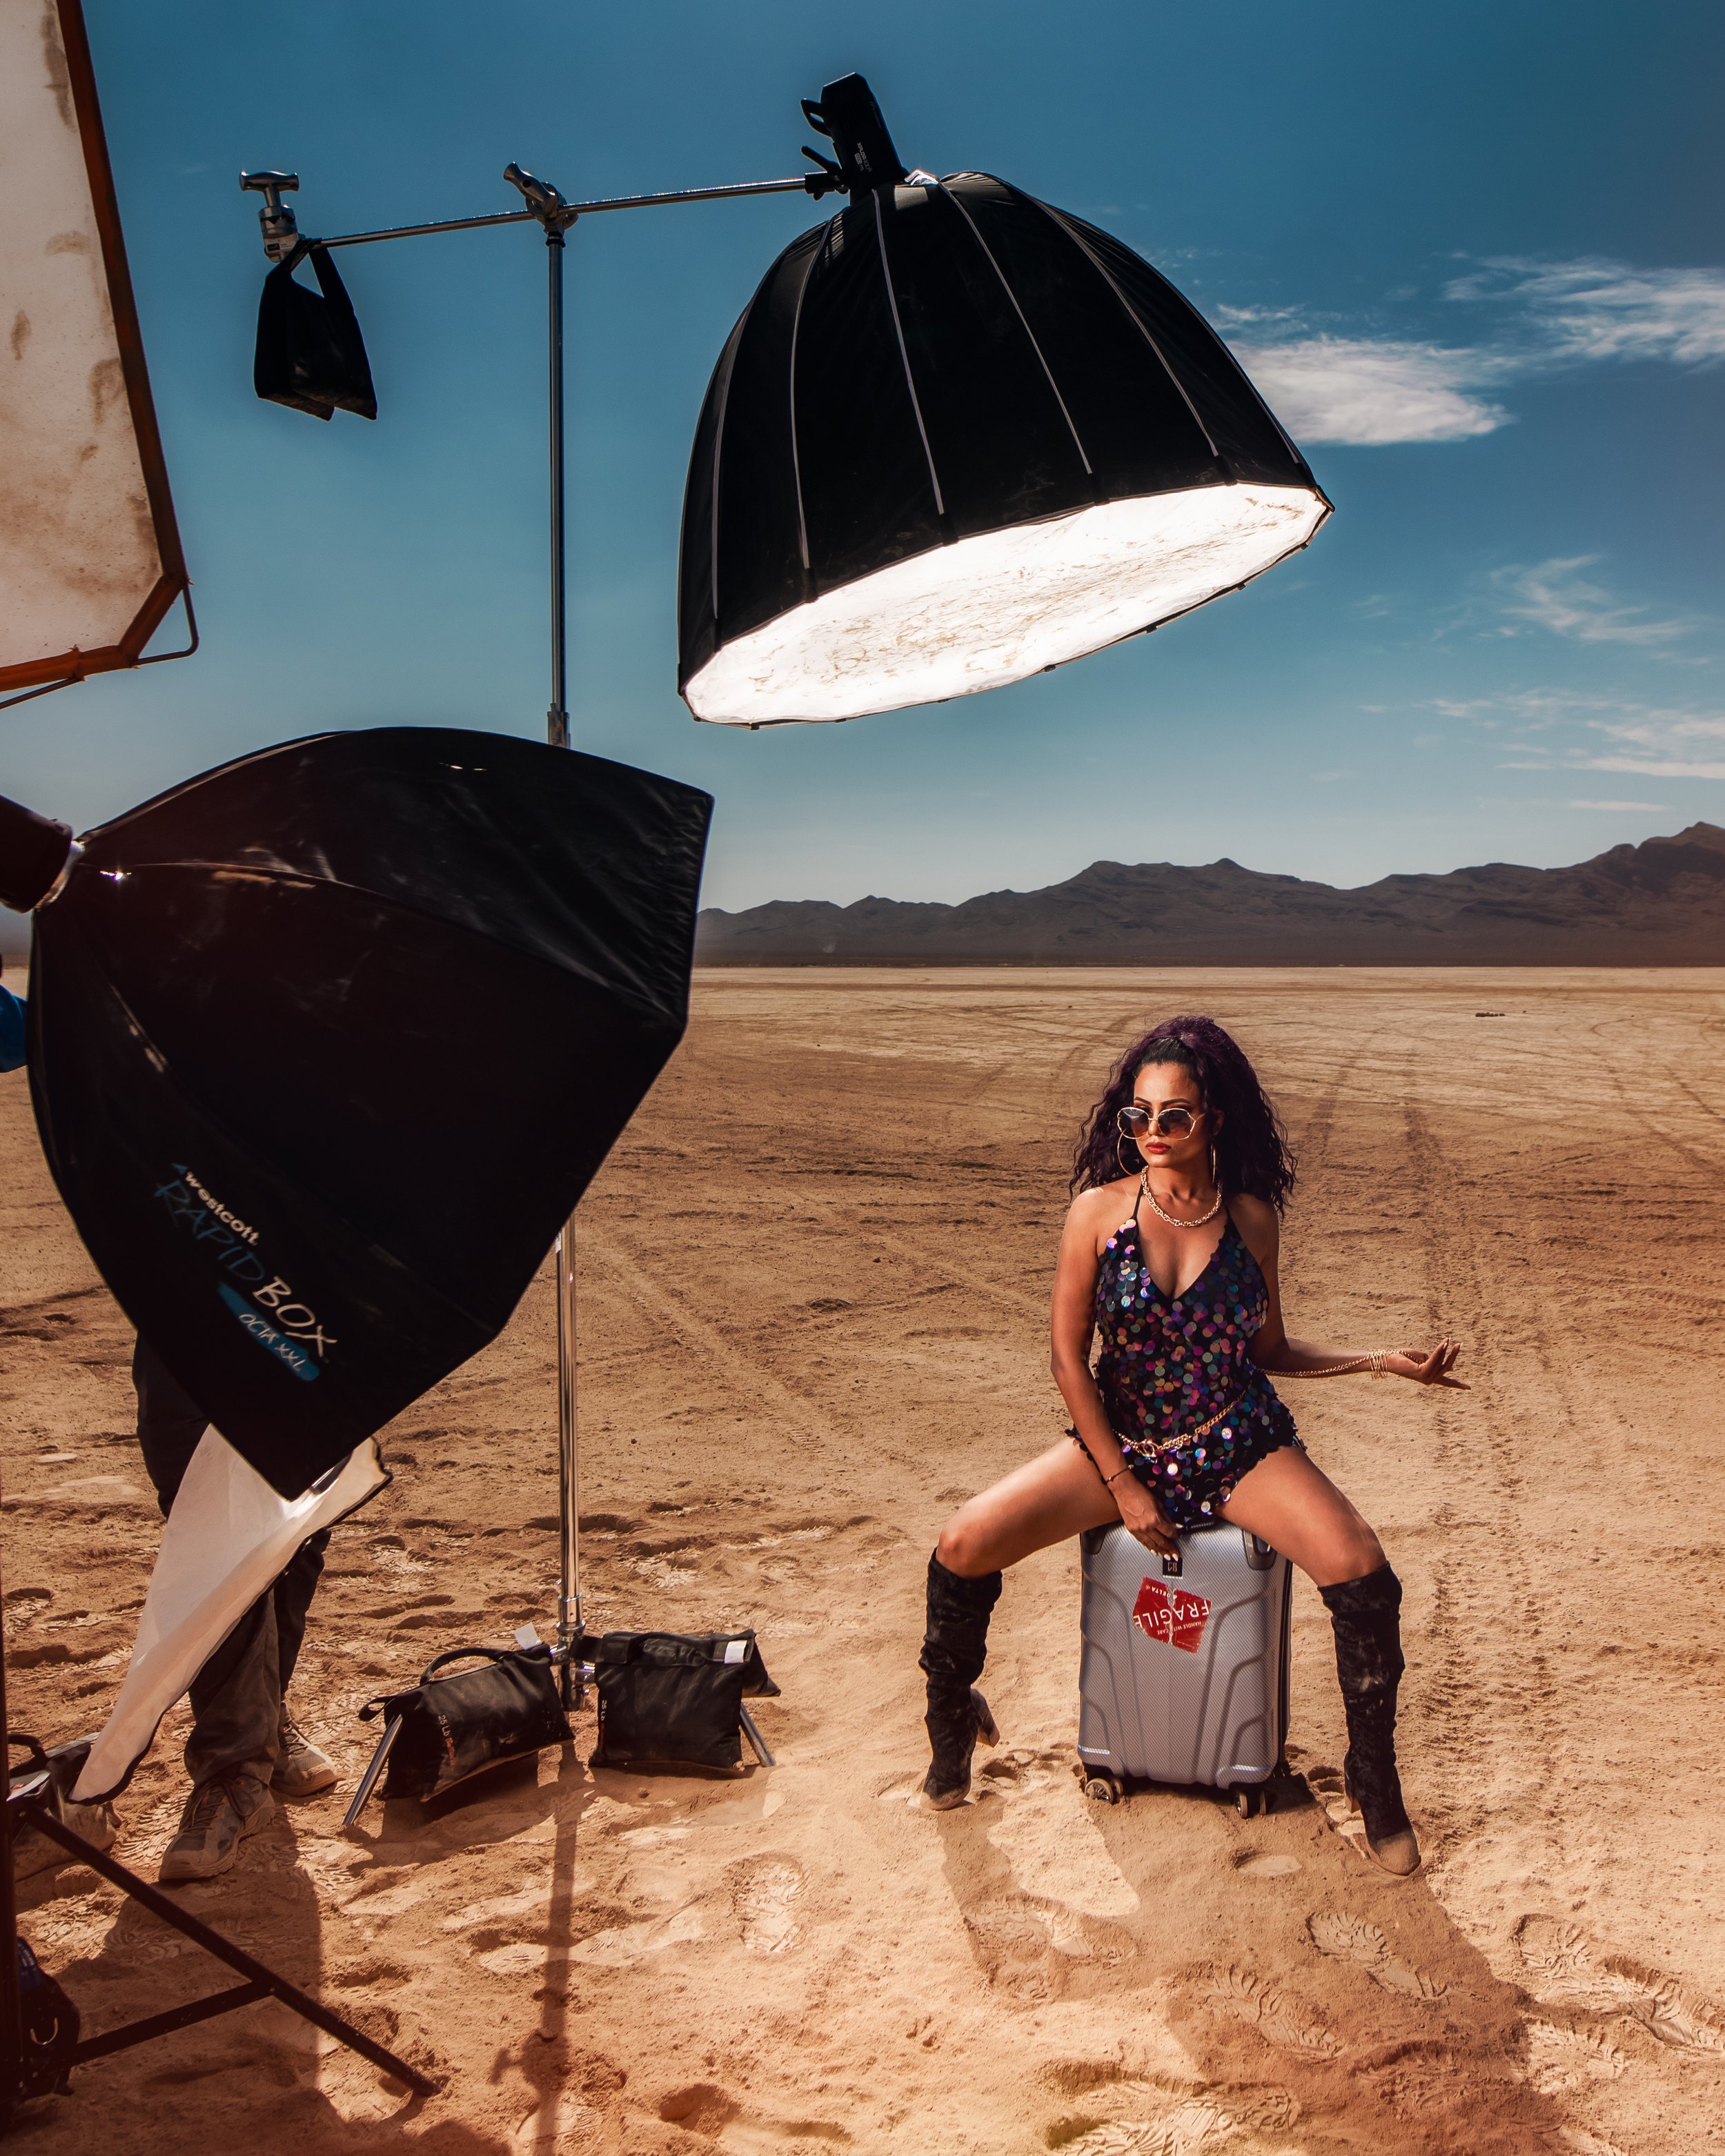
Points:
(1109, 1481)
(1375, 1361)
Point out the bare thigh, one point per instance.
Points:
(1047, 1499)
(1294, 1507)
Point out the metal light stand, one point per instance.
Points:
(555, 216)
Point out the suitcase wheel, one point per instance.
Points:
(1250, 1801)
(1101, 1789)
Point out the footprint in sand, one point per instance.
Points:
(703, 2107)
(1028, 1943)
(762, 1890)
(1348, 1938)
(562, 2124)
(1566, 1964)
(1326, 1785)
(1564, 2061)
(390, 1901)
(1195, 2128)
(526, 1902)
(620, 1947)
(1589, 2144)
(1247, 1996)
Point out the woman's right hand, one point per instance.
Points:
(1142, 1517)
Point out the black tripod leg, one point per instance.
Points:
(11, 2020)
(164, 2025)
(270, 1986)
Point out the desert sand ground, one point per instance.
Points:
(814, 1282)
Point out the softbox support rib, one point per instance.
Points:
(1132, 316)
(898, 331)
(1000, 278)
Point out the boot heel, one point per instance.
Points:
(987, 1732)
(1397, 1853)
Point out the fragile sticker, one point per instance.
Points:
(1170, 1616)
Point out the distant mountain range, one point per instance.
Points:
(1661, 903)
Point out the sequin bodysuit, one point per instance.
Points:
(1167, 1365)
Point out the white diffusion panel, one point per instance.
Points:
(1003, 605)
(229, 1537)
(90, 560)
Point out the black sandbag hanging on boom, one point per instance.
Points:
(310, 354)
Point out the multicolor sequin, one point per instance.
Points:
(1167, 1366)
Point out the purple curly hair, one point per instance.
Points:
(1251, 1148)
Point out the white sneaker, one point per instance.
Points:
(301, 1770)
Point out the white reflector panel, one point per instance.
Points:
(90, 558)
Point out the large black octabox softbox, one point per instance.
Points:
(957, 437)
(326, 1045)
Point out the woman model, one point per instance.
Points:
(1169, 1254)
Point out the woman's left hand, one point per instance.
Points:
(1432, 1369)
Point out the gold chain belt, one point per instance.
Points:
(1152, 1446)
(1140, 1446)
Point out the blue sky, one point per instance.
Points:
(1470, 253)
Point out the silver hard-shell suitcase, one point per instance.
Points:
(1184, 1676)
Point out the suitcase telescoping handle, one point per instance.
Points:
(1259, 1555)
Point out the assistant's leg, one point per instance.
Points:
(1044, 1501)
(302, 1769)
(292, 1595)
(1290, 1505)
(236, 1696)
(236, 1704)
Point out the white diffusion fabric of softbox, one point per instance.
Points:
(228, 1538)
(89, 555)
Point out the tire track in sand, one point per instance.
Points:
(1488, 1629)
(750, 1377)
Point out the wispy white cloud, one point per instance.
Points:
(1592, 309)
(1554, 595)
(1561, 729)
(1660, 745)
(1651, 766)
(1370, 390)
(1623, 808)
(1664, 729)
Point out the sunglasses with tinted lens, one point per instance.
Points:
(1175, 1122)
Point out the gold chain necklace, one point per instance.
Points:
(1202, 1221)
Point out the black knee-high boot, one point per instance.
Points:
(1365, 1614)
(953, 1651)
